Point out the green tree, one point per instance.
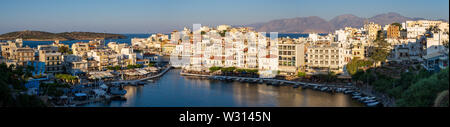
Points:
(223, 33)
(380, 51)
(66, 78)
(11, 96)
(64, 50)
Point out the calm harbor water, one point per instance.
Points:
(34, 44)
(173, 90)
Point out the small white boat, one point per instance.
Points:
(356, 94)
(348, 91)
(356, 97)
(369, 101)
(323, 88)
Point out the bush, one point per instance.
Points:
(424, 92)
(354, 65)
(113, 68)
(135, 66)
(301, 74)
(228, 69)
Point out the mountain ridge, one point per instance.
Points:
(318, 25)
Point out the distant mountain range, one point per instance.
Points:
(47, 36)
(319, 25)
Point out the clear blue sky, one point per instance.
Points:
(148, 16)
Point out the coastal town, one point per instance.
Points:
(94, 71)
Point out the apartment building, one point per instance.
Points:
(52, 58)
(358, 51)
(418, 28)
(372, 30)
(291, 57)
(9, 48)
(393, 31)
(80, 49)
(22, 55)
(104, 57)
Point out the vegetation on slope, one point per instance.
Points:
(47, 36)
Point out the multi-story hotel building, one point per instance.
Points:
(291, 57)
(327, 57)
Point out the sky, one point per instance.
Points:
(150, 16)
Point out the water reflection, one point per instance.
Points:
(173, 90)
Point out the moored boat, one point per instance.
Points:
(373, 104)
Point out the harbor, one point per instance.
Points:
(174, 89)
(103, 91)
(348, 89)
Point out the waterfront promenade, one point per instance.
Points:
(135, 82)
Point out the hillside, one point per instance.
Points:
(347, 20)
(297, 25)
(47, 36)
(319, 25)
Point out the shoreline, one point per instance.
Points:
(349, 90)
(355, 92)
